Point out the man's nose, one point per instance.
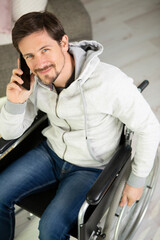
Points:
(40, 62)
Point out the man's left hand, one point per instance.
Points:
(130, 194)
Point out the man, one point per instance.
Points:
(87, 102)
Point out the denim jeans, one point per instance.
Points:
(34, 171)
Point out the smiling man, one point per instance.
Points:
(87, 103)
(47, 58)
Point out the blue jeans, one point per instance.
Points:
(34, 171)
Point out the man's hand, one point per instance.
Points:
(15, 92)
(130, 194)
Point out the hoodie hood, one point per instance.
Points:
(86, 58)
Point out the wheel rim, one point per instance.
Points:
(126, 221)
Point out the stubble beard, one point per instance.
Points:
(48, 80)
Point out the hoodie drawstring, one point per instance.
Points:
(90, 149)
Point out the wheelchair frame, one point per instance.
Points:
(100, 216)
(119, 223)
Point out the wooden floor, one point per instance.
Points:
(130, 33)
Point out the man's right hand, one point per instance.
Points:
(15, 92)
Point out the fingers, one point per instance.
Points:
(130, 202)
(130, 194)
(13, 85)
(16, 73)
(15, 91)
(16, 80)
(123, 201)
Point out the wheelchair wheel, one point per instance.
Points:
(121, 223)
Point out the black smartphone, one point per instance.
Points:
(26, 73)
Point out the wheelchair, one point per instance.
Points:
(100, 216)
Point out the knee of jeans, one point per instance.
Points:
(52, 229)
(5, 200)
(4, 208)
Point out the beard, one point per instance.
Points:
(49, 79)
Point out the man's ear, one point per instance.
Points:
(64, 43)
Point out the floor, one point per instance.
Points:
(130, 33)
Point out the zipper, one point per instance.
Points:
(64, 141)
(56, 112)
(52, 88)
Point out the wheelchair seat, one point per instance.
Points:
(100, 216)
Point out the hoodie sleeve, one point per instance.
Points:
(132, 109)
(15, 119)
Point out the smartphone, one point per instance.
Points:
(26, 73)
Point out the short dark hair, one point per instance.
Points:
(34, 22)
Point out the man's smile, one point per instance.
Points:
(44, 70)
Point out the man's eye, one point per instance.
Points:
(45, 50)
(29, 56)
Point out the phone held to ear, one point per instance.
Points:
(26, 73)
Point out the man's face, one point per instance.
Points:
(44, 56)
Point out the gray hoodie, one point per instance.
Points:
(86, 118)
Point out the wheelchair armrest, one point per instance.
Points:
(7, 145)
(108, 175)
